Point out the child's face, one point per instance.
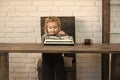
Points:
(52, 28)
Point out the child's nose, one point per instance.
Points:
(53, 29)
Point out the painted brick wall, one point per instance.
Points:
(115, 21)
(20, 23)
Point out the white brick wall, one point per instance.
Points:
(115, 22)
(20, 23)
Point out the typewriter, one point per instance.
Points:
(59, 40)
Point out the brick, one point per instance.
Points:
(37, 30)
(33, 76)
(89, 60)
(34, 55)
(97, 40)
(85, 3)
(17, 65)
(18, 55)
(2, 24)
(16, 24)
(94, 9)
(3, 14)
(80, 24)
(43, 3)
(35, 19)
(21, 78)
(22, 19)
(114, 38)
(17, 14)
(6, 40)
(117, 24)
(47, 9)
(88, 65)
(11, 77)
(22, 71)
(99, 3)
(83, 65)
(96, 55)
(83, 13)
(39, 14)
(23, 60)
(70, 9)
(21, 3)
(85, 76)
(2, 35)
(4, 3)
(5, 0)
(40, 59)
(33, 35)
(98, 35)
(11, 70)
(118, 14)
(85, 19)
(97, 29)
(112, 25)
(25, 40)
(5, 19)
(6, 30)
(87, 29)
(9, 9)
(89, 70)
(115, 8)
(84, 55)
(33, 24)
(10, 59)
(63, 3)
(31, 70)
(67, 0)
(61, 14)
(97, 24)
(22, 0)
(16, 75)
(25, 30)
(115, 29)
(38, 40)
(31, 66)
(16, 35)
(26, 8)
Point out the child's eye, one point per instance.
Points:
(50, 27)
(55, 27)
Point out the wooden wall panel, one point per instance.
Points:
(4, 66)
(105, 37)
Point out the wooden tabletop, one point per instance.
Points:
(77, 48)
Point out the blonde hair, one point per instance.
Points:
(52, 19)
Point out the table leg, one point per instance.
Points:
(4, 66)
(110, 64)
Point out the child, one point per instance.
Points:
(52, 61)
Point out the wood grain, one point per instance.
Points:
(105, 37)
(4, 66)
(77, 48)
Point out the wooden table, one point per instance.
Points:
(6, 48)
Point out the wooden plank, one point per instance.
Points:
(37, 48)
(4, 66)
(105, 37)
(106, 21)
(115, 68)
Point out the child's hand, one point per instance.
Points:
(61, 33)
